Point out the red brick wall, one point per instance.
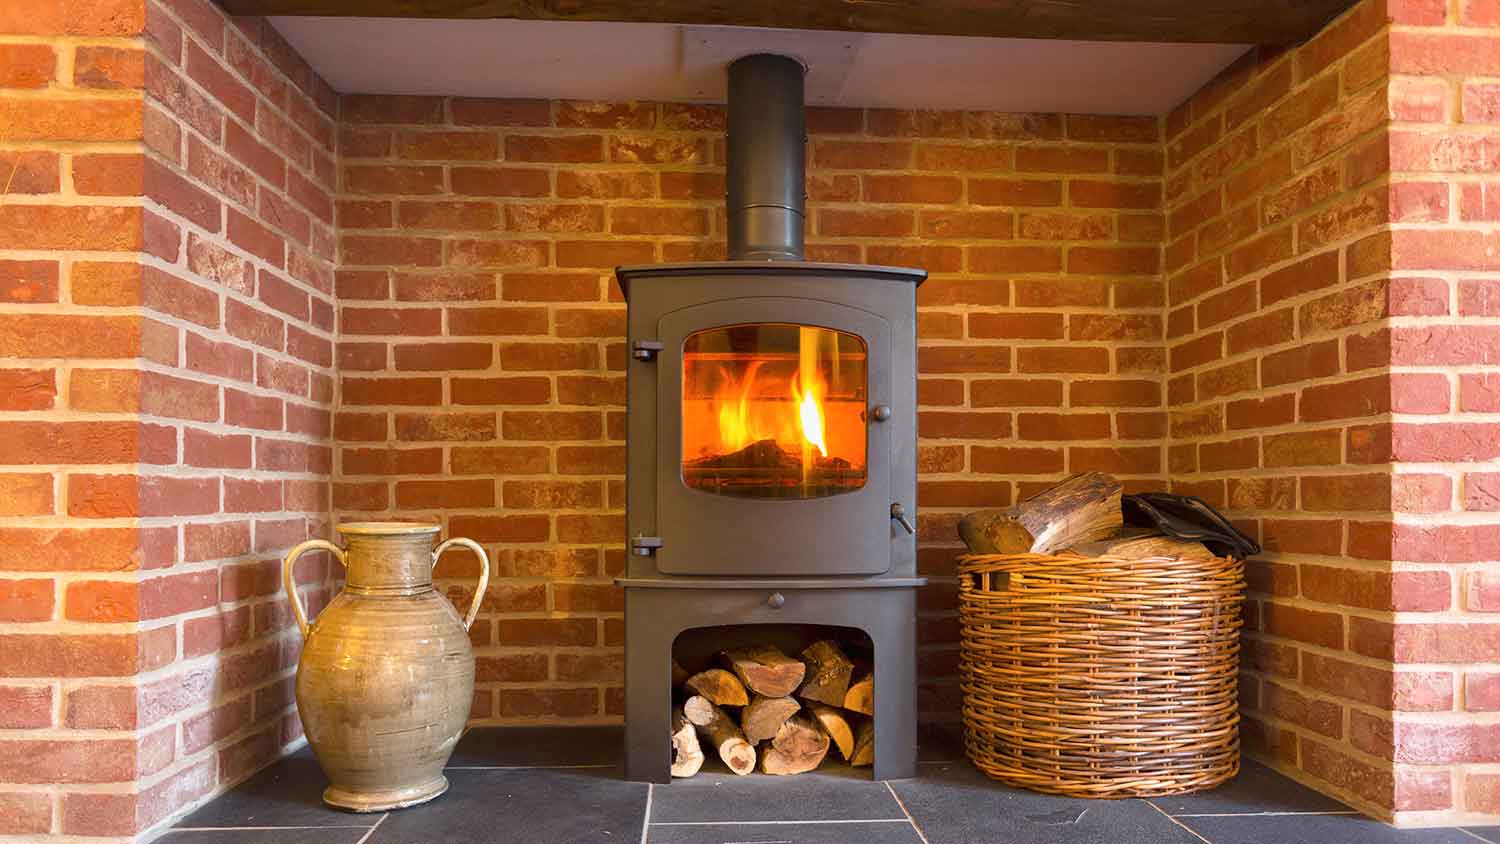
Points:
(166, 320)
(481, 335)
(227, 316)
(1332, 380)
(71, 97)
(1445, 357)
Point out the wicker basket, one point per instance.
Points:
(1100, 676)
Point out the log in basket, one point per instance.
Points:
(1101, 676)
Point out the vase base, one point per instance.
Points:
(382, 800)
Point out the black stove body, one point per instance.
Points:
(772, 429)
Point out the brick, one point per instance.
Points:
(1017, 192)
(551, 425)
(445, 426)
(571, 149)
(1085, 193)
(1302, 363)
(24, 282)
(1304, 625)
(496, 112)
(27, 389)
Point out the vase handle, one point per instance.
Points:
(289, 582)
(484, 572)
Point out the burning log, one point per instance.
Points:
(799, 746)
(765, 669)
(761, 454)
(687, 755)
(828, 673)
(861, 695)
(719, 686)
(722, 733)
(836, 726)
(864, 745)
(1082, 508)
(765, 715)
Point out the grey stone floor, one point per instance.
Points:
(563, 786)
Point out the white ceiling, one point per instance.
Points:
(665, 62)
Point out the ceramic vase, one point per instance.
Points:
(386, 676)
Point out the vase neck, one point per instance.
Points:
(396, 563)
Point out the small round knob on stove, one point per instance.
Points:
(881, 412)
(776, 601)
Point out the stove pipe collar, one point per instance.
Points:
(767, 152)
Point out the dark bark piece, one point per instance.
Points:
(1083, 508)
(765, 669)
(719, 686)
(1204, 22)
(680, 675)
(799, 746)
(828, 673)
(765, 715)
(836, 726)
(687, 754)
(861, 695)
(715, 725)
(864, 745)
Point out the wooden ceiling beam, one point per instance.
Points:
(1190, 21)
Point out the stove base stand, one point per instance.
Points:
(655, 616)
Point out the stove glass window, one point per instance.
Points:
(774, 410)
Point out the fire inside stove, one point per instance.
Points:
(774, 410)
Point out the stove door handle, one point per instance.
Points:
(899, 514)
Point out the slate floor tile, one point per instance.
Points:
(305, 835)
(288, 793)
(526, 806)
(1257, 788)
(834, 792)
(1316, 829)
(955, 804)
(563, 786)
(896, 832)
(524, 746)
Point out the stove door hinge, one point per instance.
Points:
(645, 546)
(645, 350)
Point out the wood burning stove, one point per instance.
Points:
(771, 476)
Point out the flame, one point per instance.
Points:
(810, 411)
(745, 417)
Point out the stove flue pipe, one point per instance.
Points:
(767, 167)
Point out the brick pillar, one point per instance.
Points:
(166, 316)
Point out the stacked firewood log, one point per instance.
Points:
(1080, 515)
(761, 708)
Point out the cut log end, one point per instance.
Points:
(864, 745)
(722, 734)
(687, 754)
(828, 673)
(861, 695)
(765, 669)
(799, 747)
(719, 686)
(765, 715)
(837, 727)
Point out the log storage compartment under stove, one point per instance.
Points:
(771, 470)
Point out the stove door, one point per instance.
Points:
(772, 459)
